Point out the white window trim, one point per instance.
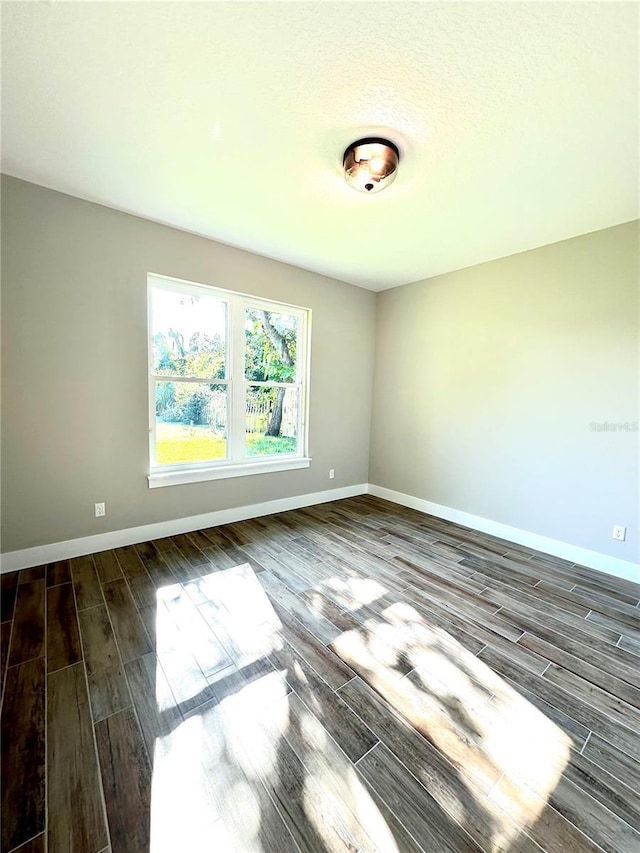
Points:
(173, 475)
(237, 469)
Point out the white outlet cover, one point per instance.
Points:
(100, 510)
(619, 532)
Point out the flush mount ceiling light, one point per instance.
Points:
(371, 164)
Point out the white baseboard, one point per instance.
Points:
(573, 553)
(28, 557)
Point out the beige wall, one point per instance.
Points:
(74, 368)
(487, 380)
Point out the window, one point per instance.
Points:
(227, 383)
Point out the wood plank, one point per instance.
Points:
(28, 635)
(593, 673)
(228, 556)
(143, 590)
(241, 616)
(455, 794)
(234, 534)
(324, 630)
(159, 571)
(150, 556)
(5, 635)
(250, 690)
(23, 752)
(34, 845)
(176, 561)
(152, 698)
(537, 602)
(604, 787)
(148, 616)
(620, 764)
(609, 704)
(606, 595)
(330, 607)
(189, 551)
(8, 590)
(86, 583)
(130, 562)
(286, 576)
(440, 718)
(76, 815)
(613, 623)
(342, 796)
(188, 684)
(459, 596)
(624, 613)
(288, 793)
(36, 573)
(465, 605)
(481, 629)
(107, 566)
(577, 732)
(595, 820)
(58, 572)
(108, 689)
(630, 644)
(63, 637)
(246, 809)
(551, 830)
(242, 556)
(606, 581)
(415, 808)
(349, 732)
(210, 654)
(126, 780)
(570, 704)
(128, 627)
(471, 636)
(303, 802)
(328, 665)
(602, 654)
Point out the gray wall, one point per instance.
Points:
(74, 368)
(487, 380)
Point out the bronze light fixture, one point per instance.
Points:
(371, 164)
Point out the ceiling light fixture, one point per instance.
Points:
(371, 164)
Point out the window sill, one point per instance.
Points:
(157, 479)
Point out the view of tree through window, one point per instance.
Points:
(194, 395)
(270, 357)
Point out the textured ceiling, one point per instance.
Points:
(517, 123)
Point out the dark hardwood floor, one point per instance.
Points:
(353, 676)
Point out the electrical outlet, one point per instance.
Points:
(332, 473)
(100, 510)
(619, 532)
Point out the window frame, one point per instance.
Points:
(236, 463)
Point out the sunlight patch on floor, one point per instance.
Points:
(335, 797)
(353, 592)
(446, 698)
(212, 771)
(183, 808)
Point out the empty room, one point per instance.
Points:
(319, 427)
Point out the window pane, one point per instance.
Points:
(271, 343)
(271, 420)
(191, 422)
(189, 335)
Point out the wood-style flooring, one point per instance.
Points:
(353, 676)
